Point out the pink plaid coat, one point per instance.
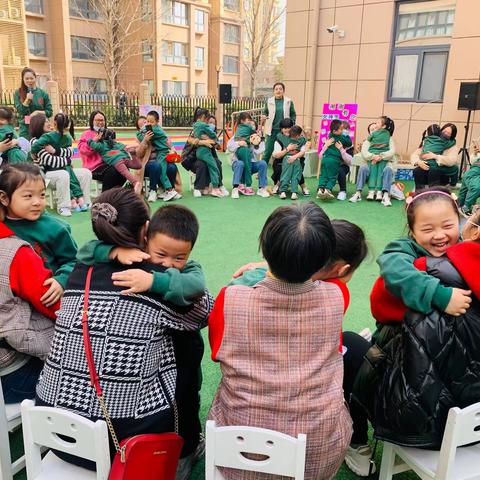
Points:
(277, 344)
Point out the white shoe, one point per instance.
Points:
(356, 197)
(160, 193)
(283, 196)
(177, 196)
(342, 196)
(197, 193)
(235, 193)
(358, 460)
(275, 189)
(65, 212)
(225, 192)
(371, 195)
(366, 333)
(170, 195)
(386, 202)
(294, 196)
(379, 196)
(152, 196)
(262, 192)
(306, 191)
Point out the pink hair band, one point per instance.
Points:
(410, 200)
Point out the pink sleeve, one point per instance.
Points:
(346, 157)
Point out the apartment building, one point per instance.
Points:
(401, 58)
(59, 39)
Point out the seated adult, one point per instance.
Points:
(364, 172)
(432, 169)
(102, 172)
(53, 164)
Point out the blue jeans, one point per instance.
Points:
(259, 167)
(152, 171)
(364, 174)
(21, 384)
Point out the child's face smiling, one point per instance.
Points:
(28, 201)
(151, 120)
(167, 251)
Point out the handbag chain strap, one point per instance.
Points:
(94, 379)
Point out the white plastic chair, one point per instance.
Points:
(451, 462)
(10, 419)
(42, 426)
(225, 447)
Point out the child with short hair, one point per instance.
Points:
(278, 148)
(22, 197)
(291, 165)
(14, 154)
(245, 129)
(434, 142)
(331, 160)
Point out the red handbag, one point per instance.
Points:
(151, 456)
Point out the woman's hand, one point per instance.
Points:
(49, 149)
(6, 145)
(459, 303)
(98, 137)
(127, 256)
(147, 137)
(135, 280)
(291, 147)
(423, 165)
(207, 142)
(339, 145)
(249, 266)
(29, 96)
(242, 143)
(53, 294)
(428, 156)
(330, 141)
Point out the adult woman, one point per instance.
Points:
(369, 158)
(107, 174)
(433, 169)
(53, 166)
(276, 109)
(30, 99)
(132, 346)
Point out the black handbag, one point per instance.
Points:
(189, 155)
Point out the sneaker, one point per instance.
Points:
(294, 196)
(263, 193)
(327, 194)
(379, 196)
(342, 196)
(152, 196)
(248, 191)
(216, 192)
(283, 196)
(235, 193)
(321, 193)
(197, 193)
(358, 460)
(64, 212)
(275, 189)
(77, 209)
(356, 197)
(386, 202)
(170, 195)
(224, 191)
(366, 333)
(186, 464)
(241, 189)
(177, 196)
(85, 207)
(371, 195)
(305, 191)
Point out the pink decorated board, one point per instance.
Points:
(337, 111)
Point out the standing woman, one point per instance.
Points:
(276, 109)
(30, 99)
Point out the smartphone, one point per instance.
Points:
(8, 137)
(148, 128)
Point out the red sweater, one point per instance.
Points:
(27, 276)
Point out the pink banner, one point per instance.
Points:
(337, 111)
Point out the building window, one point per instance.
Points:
(170, 87)
(230, 64)
(90, 85)
(34, 6)
(147, 51)
(199, 57)
(83, 9)
(86, 48)
(424, 24)
(199, 89)
(146, 9)
(174, 12)
(37, 44)
(200, 21)
(234, 91)
(175, 53)
(232, 5)
(231, 33)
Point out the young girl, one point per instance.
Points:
(14, 154)
(22, 196)
(470, 191)
(202, 131)
(291, 165)
(245, 128)
(58, 139)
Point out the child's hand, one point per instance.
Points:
(136, 281)
(147, 137)
(242, 143)
(291, 147)
(53, 294)
(330, 141)
(127, 256)
(49, 149)
(339, 145)
(459, 303)
(249, 266)
(292, 159)
(98, 137)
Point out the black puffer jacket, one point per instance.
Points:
(432, 363)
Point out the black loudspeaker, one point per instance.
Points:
(469, 97)
(225, 92)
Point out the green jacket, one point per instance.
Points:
(202, 128)
(243, 132)
(159, 141)
(40, 101)
(15, 154)
(332, 151)
(436, 144)
(52, 239)
(379, 137)
(110, 156)
(54, 139)
(418, 290)
(279, 113)
(178, 287)
(250, 277)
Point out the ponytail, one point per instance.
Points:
(389, 124)
(200, 112)
(64, 122)
(433, 129)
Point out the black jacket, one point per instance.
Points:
(416, 373)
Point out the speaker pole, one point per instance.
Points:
(464, 150)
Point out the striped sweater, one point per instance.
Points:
(46, 161)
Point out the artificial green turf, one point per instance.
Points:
(228, 238)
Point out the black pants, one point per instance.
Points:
(357, 347)
(433, 177)
(202, 177)
(342, 177)
(109, 176)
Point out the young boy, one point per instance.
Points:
(7, 132)
(291, 164)
(285, 125)
(331, 160)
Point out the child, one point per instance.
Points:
(470, 191)
(245, 129)
(202, 131)
(14, 154)
(285, 125)
(22, 196)
(434, 142)
(379, 143)
(60, 140)
(331, 161)
(291, 165)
